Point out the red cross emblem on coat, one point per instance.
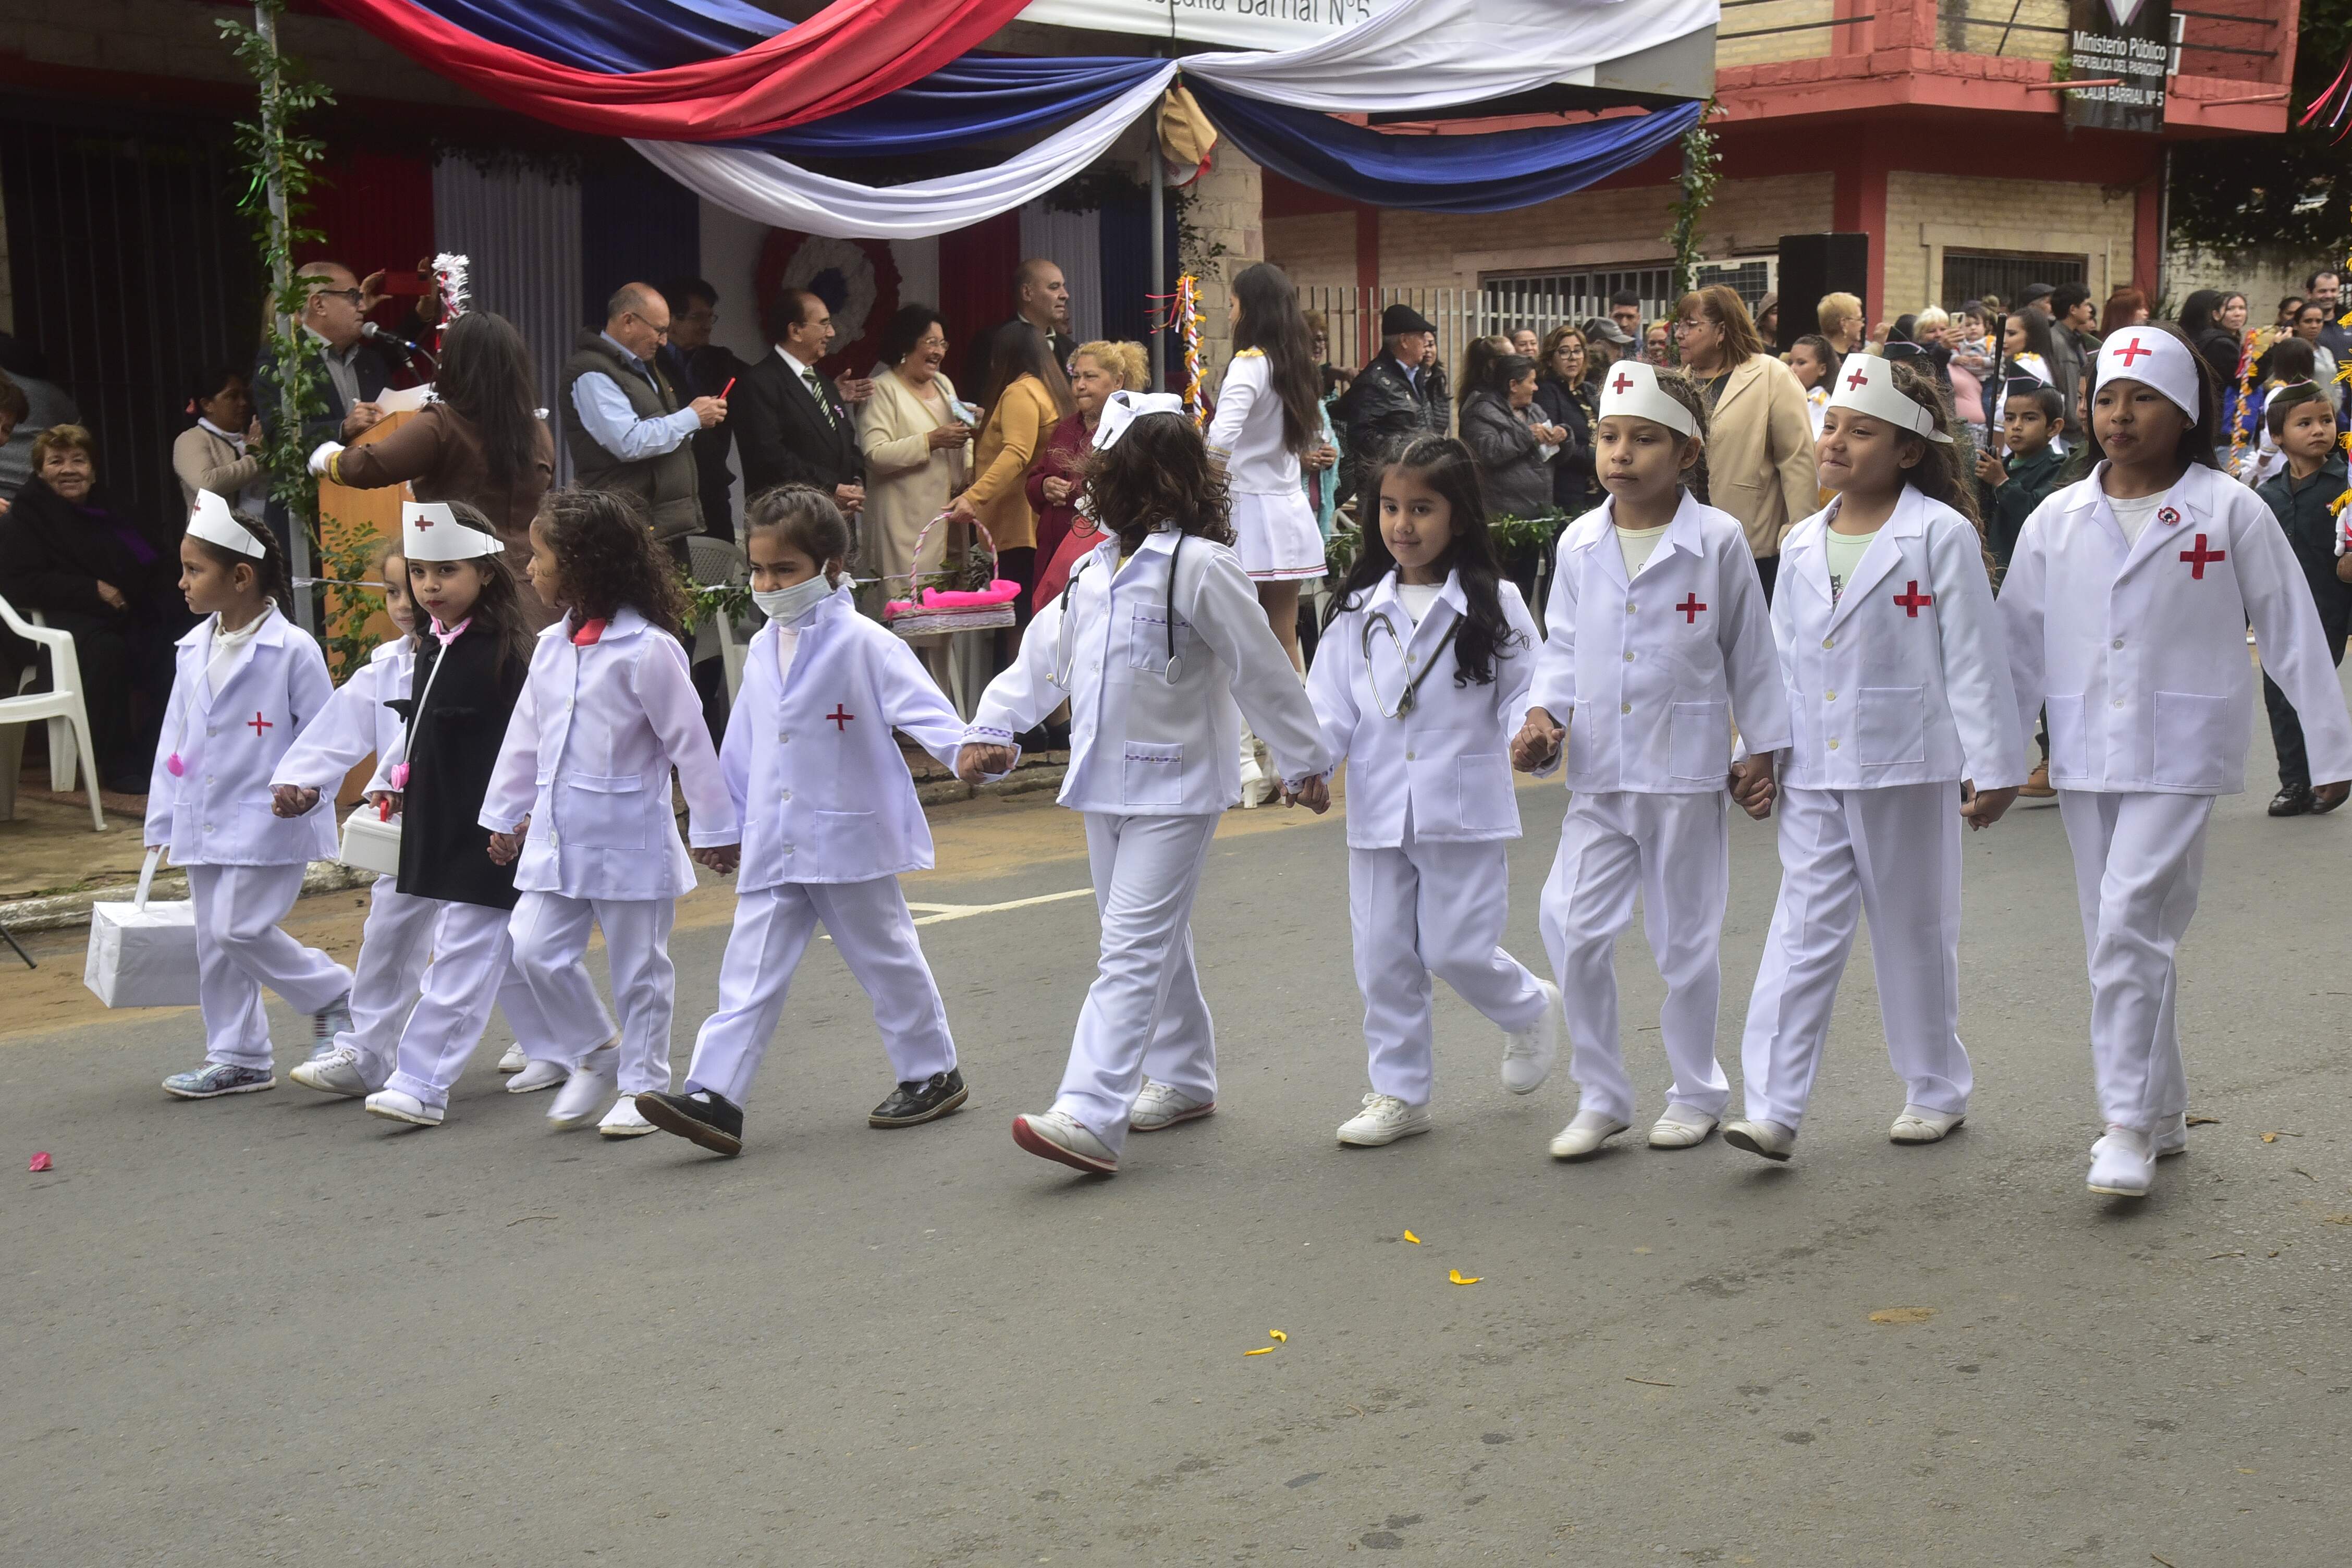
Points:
(257, 724)
(839, 719)
(2201, 558)
(1911, 599)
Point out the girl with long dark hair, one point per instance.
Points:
(1027, 396)
(1420, 680)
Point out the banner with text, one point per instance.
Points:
(2129, 45)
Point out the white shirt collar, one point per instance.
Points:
(800, 371)
(231, 437)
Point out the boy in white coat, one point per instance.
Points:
(1899, 685)
(209, 801)
(1656, 643)
(1153, 643)
(1420, 680)
(830, 822)
(2127, 603)
(581, 795)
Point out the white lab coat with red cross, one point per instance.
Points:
(2138, 652)
(1898, 689)
(1649, 676)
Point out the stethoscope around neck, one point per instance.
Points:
(1412, 698)
(1064, 661)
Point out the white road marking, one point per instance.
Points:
(933, 914)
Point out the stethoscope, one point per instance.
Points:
(1064, 660)
(1413, 682)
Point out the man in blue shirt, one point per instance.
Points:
(623, 420)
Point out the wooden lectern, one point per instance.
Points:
(349, 518)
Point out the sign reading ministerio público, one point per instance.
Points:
(2127, 45)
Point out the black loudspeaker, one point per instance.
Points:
(1812, 265)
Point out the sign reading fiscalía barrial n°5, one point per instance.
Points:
(2127, 43)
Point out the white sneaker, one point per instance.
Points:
(514, 1060)
(1768, 1138)
(2123, 1163)
(1581, 1139)
(1528, 1054)
(1058, 1136)
(1918, 1124)
(1384, 1120)
(1682, 1127)
(395, 1106)
(534, 1076)
(1160, 1106)
(590, 1085)
(623, 1120)
(335, 1070)
(2171, 1137)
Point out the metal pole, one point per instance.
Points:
(2163, 229)
(298, 536)
(1158, 246)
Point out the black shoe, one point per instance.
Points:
(2292, 800)
(942, 1094)
(705, 1118)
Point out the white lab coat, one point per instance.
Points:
(1141, 744)
(2139, 652)
(1446, 764)
(1904, 678)
(825, 799)
(217, 811)
(587, 760)
(354, 725)
(1650, 676)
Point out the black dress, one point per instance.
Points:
(453, 747)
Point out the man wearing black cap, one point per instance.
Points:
(1604, 344)
(1390, 403)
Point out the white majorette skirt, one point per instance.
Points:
(1276, 537)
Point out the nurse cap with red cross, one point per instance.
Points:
(1633, 392)
(2157, 361)
(1866, 384)
(429, 531)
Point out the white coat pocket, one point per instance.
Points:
(1700, 739)
(2070, 747)
(602, 813)
(1148, 638)
(1891, 725)
(2196, 736)
(1151, 774)
(843, 837)
(1487, 805)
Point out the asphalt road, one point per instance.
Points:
(272, 1329)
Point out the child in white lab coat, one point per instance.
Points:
(208, 801)
(1424, 718)
(354, 726)
(467, 676)
(1898, 689)
(830, 821)
(1656, 643)
(581, 796)
(2127, 605)
(1156, 637)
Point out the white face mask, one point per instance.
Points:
(785, 605)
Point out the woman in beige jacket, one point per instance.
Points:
(217, 452)
(915, 445)
(1760, 433)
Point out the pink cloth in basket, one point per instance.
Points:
(998, 592)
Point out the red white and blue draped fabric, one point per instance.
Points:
(1413, 55)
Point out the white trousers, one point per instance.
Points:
(473, 965)
(1892, 856)
(1432, 909)
(394, 945)
(1144, 1015)
(239, 949)
(1675, 850)
(551, 946)
(870, 925)
(2138, 860)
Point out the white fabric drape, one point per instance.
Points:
(1418, 55)
(1073, 242)
(522, 231)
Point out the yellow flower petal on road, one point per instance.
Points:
(1412, 1239)
(1901, 1314)
(1278, 1334)
(1455, 1275)
(1262, 1349)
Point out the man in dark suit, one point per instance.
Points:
(356, 371)
(791, 424)
(1041, 297)
(702, 368)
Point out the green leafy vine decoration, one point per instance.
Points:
(1702, 172)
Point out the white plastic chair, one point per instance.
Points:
(68, 718)
(714, 562)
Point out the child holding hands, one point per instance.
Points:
(1657, 641)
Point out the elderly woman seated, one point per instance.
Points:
(88, 569)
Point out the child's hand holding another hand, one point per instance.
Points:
(1536, 745)
(291, 800)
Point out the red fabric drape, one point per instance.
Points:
(976, 269)
(849, 53)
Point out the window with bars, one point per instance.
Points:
(1544, 300)
(2005, 274)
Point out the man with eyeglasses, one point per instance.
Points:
(357, 371)
(626, 421)
(699, 367)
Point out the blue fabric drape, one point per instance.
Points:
(1492, 171)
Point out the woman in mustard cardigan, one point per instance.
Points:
(1028, 397)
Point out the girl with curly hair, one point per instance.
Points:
(1156, 637)
(580, 799)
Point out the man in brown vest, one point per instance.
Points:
(622, 418)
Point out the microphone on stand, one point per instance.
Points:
(400, 348)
